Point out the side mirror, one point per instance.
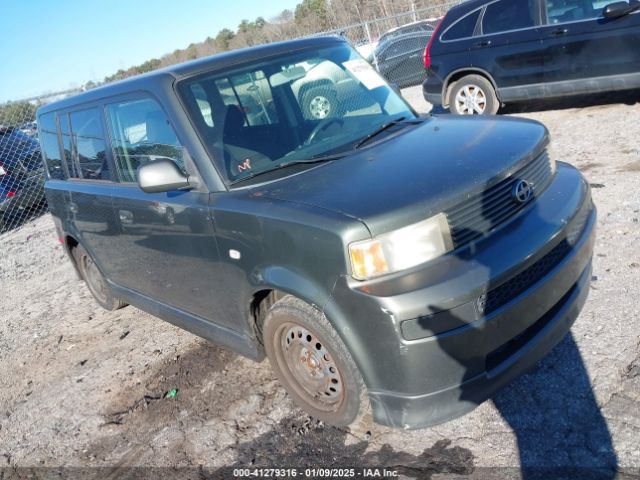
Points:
(161, 175)
(617, 10)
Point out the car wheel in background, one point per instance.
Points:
(319, 103)
(95, 280)
(313, 364)
(473, 95)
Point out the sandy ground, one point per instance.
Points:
(82, 387)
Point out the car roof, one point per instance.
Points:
(467, 6)
(412, 24)
(193, 67)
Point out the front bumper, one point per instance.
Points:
(427, 350)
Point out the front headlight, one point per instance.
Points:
(401, 249)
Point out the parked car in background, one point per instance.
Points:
(486, 53)
(387, 264)
(399, 58)
(420, 26)
(21, 175)
(30, 128)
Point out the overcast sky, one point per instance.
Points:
(49, 45)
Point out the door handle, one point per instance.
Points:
(558, 32)
(73, 208)
(483, 44)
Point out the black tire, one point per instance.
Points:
(473, 95)
(95, 280)
(319, 103)
(289, 327)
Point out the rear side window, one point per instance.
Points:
(463, 28)
(251, 93)
(141, 132)
(89, 153)
(506, 15)
(50, 146)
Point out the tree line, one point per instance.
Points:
(308, 18)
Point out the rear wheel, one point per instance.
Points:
(95, 281)
(313, 364)
(473, 95)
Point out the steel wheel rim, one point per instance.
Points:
(94, 278)
(309, 367)
(320, 107)
(471, 100)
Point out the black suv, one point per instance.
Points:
(487, 53)
(379, 259)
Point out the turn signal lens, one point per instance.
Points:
(368, 260)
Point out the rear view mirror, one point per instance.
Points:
(161, 175)
(286, 76)
(617, 9)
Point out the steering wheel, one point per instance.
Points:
(323, 125)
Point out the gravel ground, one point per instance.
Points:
(82, 387)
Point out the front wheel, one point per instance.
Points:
(313, 363)
(473, 95)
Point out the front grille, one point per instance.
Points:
(504, 293)
(485, 211)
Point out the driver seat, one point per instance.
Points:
(238, 157)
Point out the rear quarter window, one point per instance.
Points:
(50, 146)
(463, 28)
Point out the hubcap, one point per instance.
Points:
(320, 107)
(471, 100)
(94, 279)
(309, 367)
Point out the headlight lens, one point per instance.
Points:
(401, 249)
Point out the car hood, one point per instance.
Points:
(417, 173)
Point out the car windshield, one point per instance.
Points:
(294, 108)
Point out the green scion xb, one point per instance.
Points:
(285, 201)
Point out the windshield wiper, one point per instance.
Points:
(378, 131)
(319, 159)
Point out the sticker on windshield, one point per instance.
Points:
(364, 73)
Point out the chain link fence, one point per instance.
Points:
(394, 45)
(21, 168)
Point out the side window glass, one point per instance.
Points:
(65, 134)
(87, 136)
(141, 132)
(50, 147)
(203, 103)
(251, 93)
(506, 15)
(463, 28)
(560, 11)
